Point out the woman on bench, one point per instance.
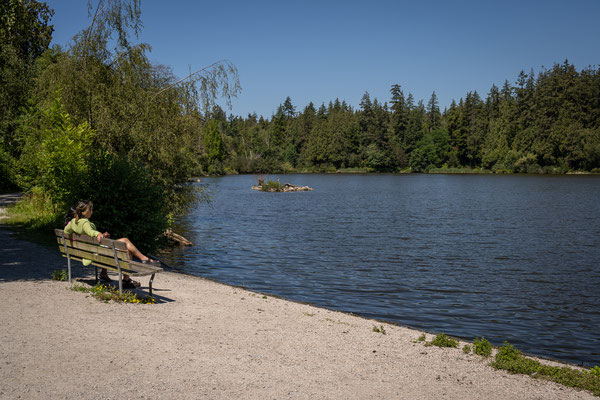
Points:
(77, 220)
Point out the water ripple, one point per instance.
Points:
(506, 257)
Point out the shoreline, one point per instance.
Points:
(209, 340)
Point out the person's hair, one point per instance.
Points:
(77, 211)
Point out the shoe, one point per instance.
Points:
(105, 279)
(131, 284)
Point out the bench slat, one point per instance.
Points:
(109, 262)
(114, 269)
(98, 258)
(87, 239)
(105, 251)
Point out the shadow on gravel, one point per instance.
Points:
(141, 291)
(21, 260)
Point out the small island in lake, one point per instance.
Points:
(276, 186)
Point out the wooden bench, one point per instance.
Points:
(109, 254)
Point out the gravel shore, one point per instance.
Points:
(206, 340)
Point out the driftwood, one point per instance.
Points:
(284, 188)
(173, 237)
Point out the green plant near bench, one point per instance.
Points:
(107, 293)
(59, 275)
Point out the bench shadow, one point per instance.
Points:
(142, 291)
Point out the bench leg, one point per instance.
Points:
(150, 284)
(96, 274)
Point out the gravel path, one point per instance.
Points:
(205, 340)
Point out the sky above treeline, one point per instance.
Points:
(322, 50)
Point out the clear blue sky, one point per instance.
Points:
(321, 50)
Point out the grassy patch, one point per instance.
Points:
(443, 340)
(33, 218)
(107, 293)
(59, 275)
(512, 360)
(482, 347)
(466, 349)
(421, 338)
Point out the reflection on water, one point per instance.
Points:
(505, 257)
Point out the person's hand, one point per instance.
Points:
(102, 235)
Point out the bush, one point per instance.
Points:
(271, 186)
(482, 347)
(127, 201)
(443, 340)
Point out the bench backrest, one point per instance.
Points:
(101, 254)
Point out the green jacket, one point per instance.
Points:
(82, 227)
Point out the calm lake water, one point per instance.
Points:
(504, 257)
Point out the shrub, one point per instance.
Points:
(512, 360)
(466, 349)
(128, 202)
(443, 340)
(482, 347)
(271, 186)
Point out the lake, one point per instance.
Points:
(506, 257)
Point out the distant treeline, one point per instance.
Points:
(544, 123)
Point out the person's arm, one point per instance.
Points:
(68, 229)
(89, 230)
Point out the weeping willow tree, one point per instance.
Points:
(143, 120)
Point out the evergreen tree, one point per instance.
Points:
(433, 112)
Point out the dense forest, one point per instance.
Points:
(96, 119)
(544, 123)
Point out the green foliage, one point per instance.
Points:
(595, 371)
(35, 211)
(512, 360)
(213, 142)
(271, 186)
(24, 25)
(107, 292)
(443, 340)
(59, 275)
(54, 154)
(6, 170)
(466, 349)
(128, 202)
(482, 347)
(381, 330)
(431, 151)
(24, 35)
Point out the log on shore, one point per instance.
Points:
(178, 239)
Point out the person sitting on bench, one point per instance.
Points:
(77, 221)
